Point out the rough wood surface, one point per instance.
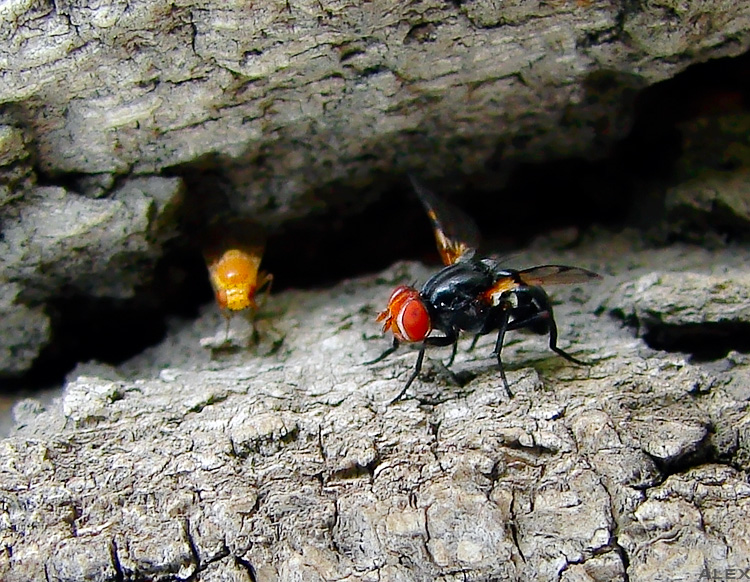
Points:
(284, 461)
(285, 96)
(277, 99)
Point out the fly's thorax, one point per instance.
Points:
(236, 267)
(234, 277)
(458, 285)
(465, 279)
(456, 297)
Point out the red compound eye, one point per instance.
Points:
(406, 315)
(413, 321)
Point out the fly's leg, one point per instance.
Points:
(438, 341)
(414, 374)
(453, 355)
(264, 282)
(545, 314)
(250, 315)
(228, 319)
(385, 354)
(502, 328)
(553, 343)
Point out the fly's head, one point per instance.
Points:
(406, 316)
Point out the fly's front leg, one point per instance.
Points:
(385, 354)
(437, 341)
(414, 374)
(228, 319)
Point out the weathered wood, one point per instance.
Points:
(140, 86)
(285, 461)
(279, 98)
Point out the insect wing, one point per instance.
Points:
(556, 275)
(244, 235)
(456, 234)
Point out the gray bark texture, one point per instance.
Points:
(217, 458)
(281, 98)
(285, 461)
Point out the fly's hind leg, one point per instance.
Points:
(545, 316)
(553, 343)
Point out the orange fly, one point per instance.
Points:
(233, 253)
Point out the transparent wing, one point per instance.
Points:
(556, 275)
(242, 234)
(456, 234)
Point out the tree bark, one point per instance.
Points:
(277, 101)
(205, 459)
(285, 461)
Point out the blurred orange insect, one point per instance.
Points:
(233, 253)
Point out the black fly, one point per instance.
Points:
(470, 294)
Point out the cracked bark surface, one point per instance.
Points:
(152, 85)
(284, 460)
(280, 100)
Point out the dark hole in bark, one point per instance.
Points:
(703, 453)
(111, 330)
(703, 341)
